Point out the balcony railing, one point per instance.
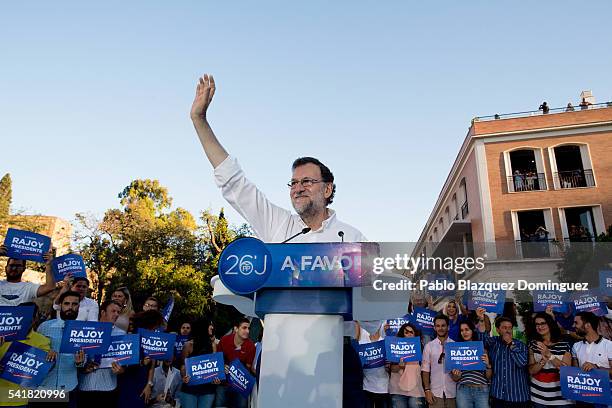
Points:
(527, 181)
(539, 112)
(464, 210)
(575, 178)
(546, 248)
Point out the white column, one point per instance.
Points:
(301, 361)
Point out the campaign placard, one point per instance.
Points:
(423, 318)
(240, 379)
(605, 282)
(402, 349)
(372, 355)
(167, 312)
(592, 386)
(491, 301)
(93, 338)
(124, 349)
(157, 345)
(15, 322)
(465, 355)
(26, 245)
(205, 368)
(24, 365)
(179, 344)
(589, 302)
(68, 264)
(543, 298)
(395, 324)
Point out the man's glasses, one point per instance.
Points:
(305, 182)
(441, 358)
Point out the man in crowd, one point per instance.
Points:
(14, 291)
(509, 358)
(440, 389)
(166, 383)
(88, 308)
(235, 345)
(593, 352)
(33, 339)
(151, 304)
(63, 375)
(97, 385)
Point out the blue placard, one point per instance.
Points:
(465, 355)
(589, 302)
(15, 322)
(179, 344)
(157, 345)
(26, 245)
(402, 349)
(491, 301)
(24, 365)
(168, 309)
(240, 379)
(68, 264)
(395, 324)
(592, 386)
(205, 368)
(605, 282)
(543, 298)
(245, 265)
(372, 355)
(93, 338)
(423, 318)
(124, 350)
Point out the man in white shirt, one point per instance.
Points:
(440, 389)
(13, 291)
(88, 308)
(311, 190)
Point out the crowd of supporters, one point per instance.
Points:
(522, 362)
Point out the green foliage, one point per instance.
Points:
(155, 250)
(582, 261)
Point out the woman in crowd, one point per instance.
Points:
(547, 353)
(122, 296)
(405, 383)
(136, 383)
(375, 380)
(473, 385)
(198, 396)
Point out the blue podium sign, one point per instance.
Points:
(245, 265)
(68, 264)
(26, 245)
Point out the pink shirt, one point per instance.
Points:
(441, 382)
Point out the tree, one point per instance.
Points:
(582, 261)
(6, 197)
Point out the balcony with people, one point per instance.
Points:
(525, 169)
(573, 167)
(536, 241)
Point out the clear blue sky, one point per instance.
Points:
(93, 96)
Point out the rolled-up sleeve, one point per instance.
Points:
(264, 217)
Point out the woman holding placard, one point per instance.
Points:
(547, 354)
(405, 383)
(473, 385)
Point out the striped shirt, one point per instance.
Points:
(545, 384)
(474, 377)
(509, 369)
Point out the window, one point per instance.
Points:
(534, 233)
(463, 194)
(525, 170)
(571, 166)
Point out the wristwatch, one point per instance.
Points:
(150, 383)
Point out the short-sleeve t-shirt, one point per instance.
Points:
(15, 293)
(245, 353)
(375, 380)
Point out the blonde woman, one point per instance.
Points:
(122, 296)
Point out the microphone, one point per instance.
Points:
(304, 231)
(341, 235)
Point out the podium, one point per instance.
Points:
(304, 293)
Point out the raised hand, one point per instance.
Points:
(203, 97)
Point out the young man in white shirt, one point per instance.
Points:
(440, 389)
(13, 291)
(88, 308)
